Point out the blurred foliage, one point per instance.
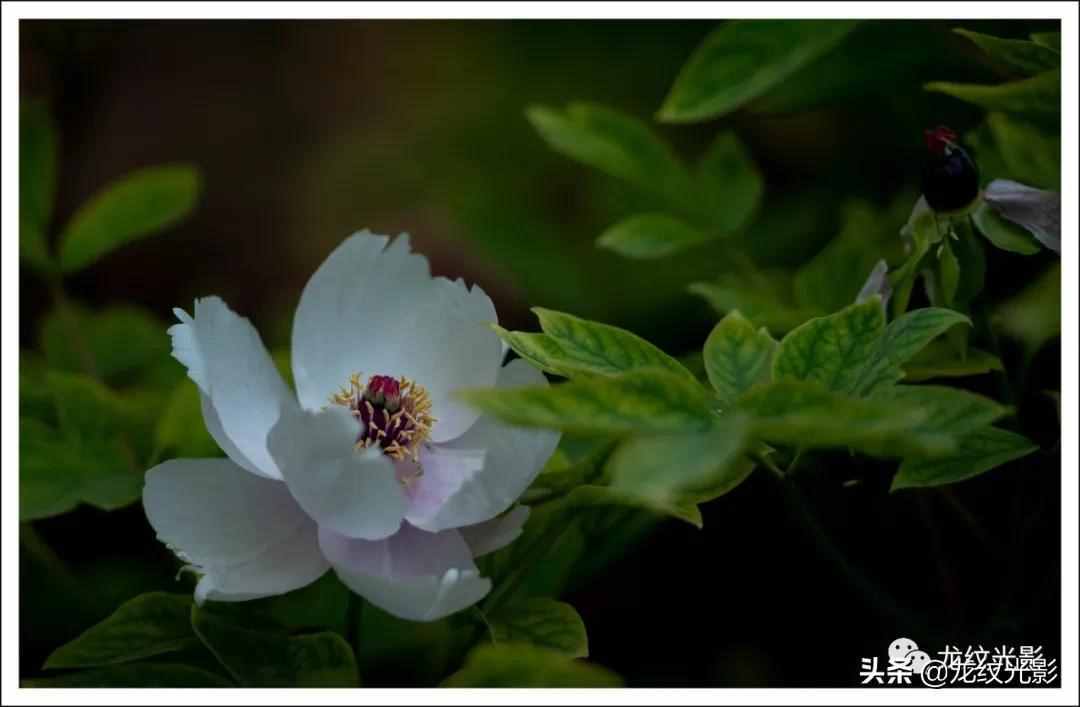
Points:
(769, 183)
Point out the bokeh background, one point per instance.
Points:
(305, 132)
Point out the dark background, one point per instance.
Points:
(308, 131)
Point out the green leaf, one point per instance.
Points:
(949, 410)
(84, 452)
(1004, 234)
(831, 280)
(651, 235)
(1033, 316)
(154, 675)
(617, 144)
(831, 350)
(901, 340)
(649, 400)
(673, 467)
(323, 604)
(1039, 94)
(1051, 40)
(940, 360)
(976, 453)
(139, 205)
(583, 347)
(541, 622)
(37, 182)
(522, 665)
(592, 496)
(1031, 154)
(741, 60)
(268, 658)
(392, 652)
(764, 297)
(180, 430)
(116, 344)
(737, 356)
(562, 474)
(148, 625)
(948, 275)
(804, 414)
(1018, 54)
(731, 186)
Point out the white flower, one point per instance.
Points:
(372, 468)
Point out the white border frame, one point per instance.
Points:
(9, 275)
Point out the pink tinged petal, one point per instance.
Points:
(351, 491)
(373, 308)
(444, 472)
(513, 458)
(413, 574)
(244, 533)
(496, 533)
(1037, 210)
(241, 388)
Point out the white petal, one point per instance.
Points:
(443, 474)
(373, 309)
(413, 575)
(353, 492)
(513, 458)
(1036, 210)
(496, 533)
(245, 533)
(242, 389)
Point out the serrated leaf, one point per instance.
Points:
(743, 59)
(152, 675)
(117, 344)
(1034, 315)
(541, 622)
(1004, 234)
(731, 186)
(37, 182)
(138, 205)
(617, 144)
(148, 625)
(831, 350)
(1040, 94)
(901, 340)
(1023, 56)
(940, 360)
(976, 453)
(804, 414)
(266, 658)
(522, 665)
(643, 400)
(596, 348)
(323, 604)
(737, 356)
(651, 235)
(674, 467)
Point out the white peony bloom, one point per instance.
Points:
(372, 467)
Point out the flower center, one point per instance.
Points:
(394, 414)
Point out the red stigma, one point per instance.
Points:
(937, 139)
(384, 390)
